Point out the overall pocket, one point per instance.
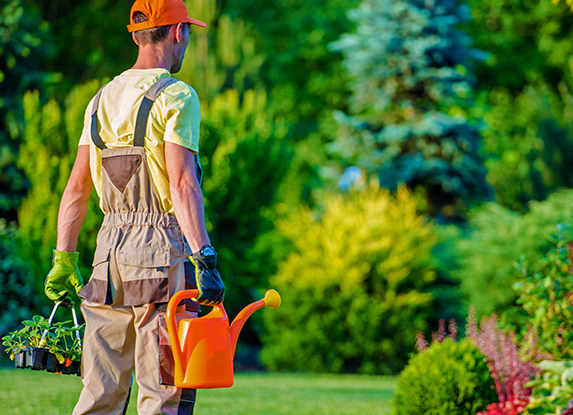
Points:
(145, 274)
(96, 290)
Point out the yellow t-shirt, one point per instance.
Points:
(175, 116)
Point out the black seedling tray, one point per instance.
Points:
(42, 359)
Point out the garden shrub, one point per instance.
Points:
(18, 299)
(447, 378)
(496, 238)
(355, 288)
(553, 390)
(546, 297)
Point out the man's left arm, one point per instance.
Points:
(188, 206)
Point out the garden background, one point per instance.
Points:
(383, 164)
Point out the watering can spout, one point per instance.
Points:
(271, 299)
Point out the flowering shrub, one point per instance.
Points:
(438, 336)
(509, 372)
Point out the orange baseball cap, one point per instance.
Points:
(161, 13)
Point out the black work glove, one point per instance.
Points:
(209, 283)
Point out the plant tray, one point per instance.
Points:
(42, 359)
(36, 358)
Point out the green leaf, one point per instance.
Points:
(38, 319)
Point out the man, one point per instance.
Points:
(139, 146)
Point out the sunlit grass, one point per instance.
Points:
(24, 392)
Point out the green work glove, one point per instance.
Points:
(63, 278)
(209, 283)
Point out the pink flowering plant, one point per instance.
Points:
(439, 336)
(511, 372)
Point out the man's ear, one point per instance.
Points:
(134, 38)
(178, 32)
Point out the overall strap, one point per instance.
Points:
(142, 115)
(145, 107)
(98, 142)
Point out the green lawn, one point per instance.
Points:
(24, 392)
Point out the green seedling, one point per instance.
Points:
(60, 339)
(30, 336)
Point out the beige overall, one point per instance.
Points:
(140, 261)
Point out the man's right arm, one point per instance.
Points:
(186, 195)
(74, 204)
(188, 206)
(64, 277)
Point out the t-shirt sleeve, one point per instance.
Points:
(85, 138)
(182, 116)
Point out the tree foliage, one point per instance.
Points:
(221, 56)
(528, 42)
(529, 142)
(409, 85)
(23, 46)
(526, 99)
(305, 79)
(91, 39)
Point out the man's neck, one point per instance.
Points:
(153, 56)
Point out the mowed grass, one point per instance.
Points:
(25, 392)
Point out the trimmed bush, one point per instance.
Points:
(355, 288)
(447, 378)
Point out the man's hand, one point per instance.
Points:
(209, 283)
(63, 278)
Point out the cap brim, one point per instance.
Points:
(134, 27)
(197, 22)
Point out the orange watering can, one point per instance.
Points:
(203, 348)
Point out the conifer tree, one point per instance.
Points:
(407, 123)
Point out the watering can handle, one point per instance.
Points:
(172, 326)
(177, 298)
(170, 314)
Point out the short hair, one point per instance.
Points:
(152, 35)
